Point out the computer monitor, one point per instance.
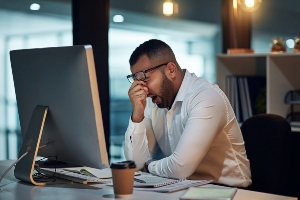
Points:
(64, 80)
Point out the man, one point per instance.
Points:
(190, 119)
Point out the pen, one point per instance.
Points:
(139, 180)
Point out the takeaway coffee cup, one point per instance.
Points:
(123, 175)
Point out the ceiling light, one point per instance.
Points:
(118, 18)
(170, 7)
(249, 5)
(35, 6)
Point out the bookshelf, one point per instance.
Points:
(282, 72)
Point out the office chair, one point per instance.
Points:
(268, 146)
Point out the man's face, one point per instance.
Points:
(160, 87)
(166, 92)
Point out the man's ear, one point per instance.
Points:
(171, 70)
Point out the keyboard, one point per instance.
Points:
(72, 176)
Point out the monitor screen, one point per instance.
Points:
(64, 79)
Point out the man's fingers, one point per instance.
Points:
(137, 83)
(140, 93)
(137, 89)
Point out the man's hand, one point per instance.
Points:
(138, 93)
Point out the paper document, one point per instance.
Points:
(99, 173)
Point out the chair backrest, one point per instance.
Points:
(268, 146)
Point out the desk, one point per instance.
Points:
(13, 189)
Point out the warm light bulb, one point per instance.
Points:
(168, 8)
(249, 3)
(234, 4)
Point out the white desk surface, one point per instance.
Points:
(13, 189)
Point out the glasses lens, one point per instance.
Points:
(140, 76)
(130, 79)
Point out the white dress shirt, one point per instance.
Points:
(199, 137)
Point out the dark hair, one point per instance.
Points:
(153, 49)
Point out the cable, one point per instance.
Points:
(20, 159)
(12, 165)
(42, 146)
(38, 176)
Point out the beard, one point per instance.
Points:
(167, 93)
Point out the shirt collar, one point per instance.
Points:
(184, 86)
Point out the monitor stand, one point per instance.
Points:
(24, 168)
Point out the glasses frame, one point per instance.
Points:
(133, 76)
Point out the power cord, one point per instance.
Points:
(13, 165)
(28, 150)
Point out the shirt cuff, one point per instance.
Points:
(136, 128)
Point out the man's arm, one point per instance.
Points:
(140, 143)
(207, 115)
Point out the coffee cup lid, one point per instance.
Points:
(123, 165)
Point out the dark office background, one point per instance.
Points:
(197, 26)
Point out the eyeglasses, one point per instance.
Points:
(141, 75)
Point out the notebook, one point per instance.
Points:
(209, 193)
(175, 186)
(150, 180)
